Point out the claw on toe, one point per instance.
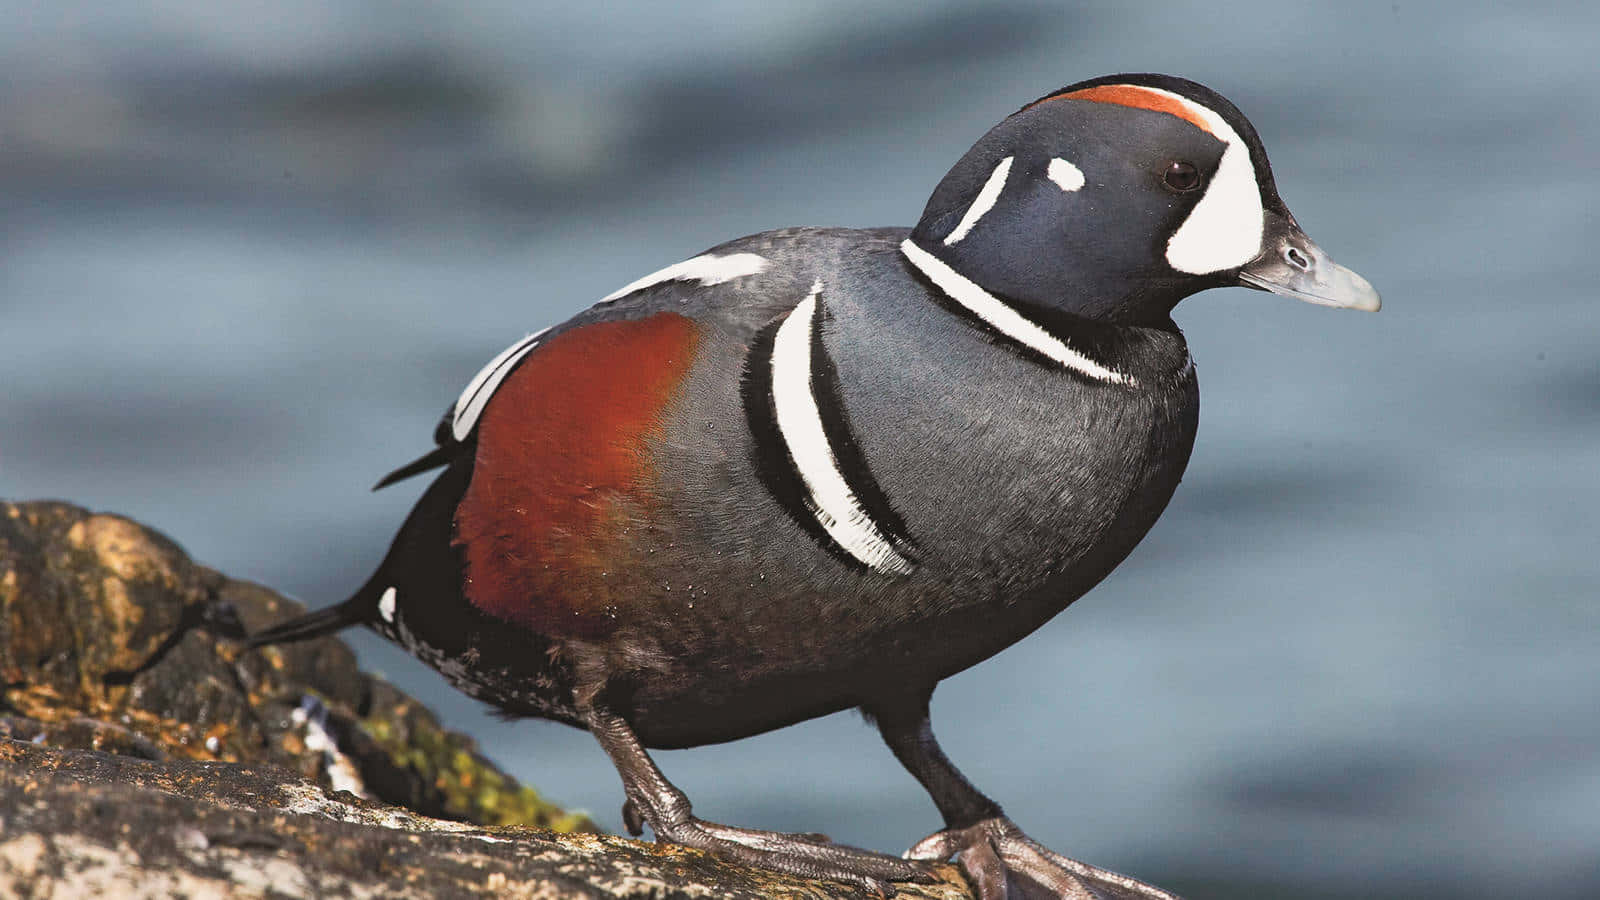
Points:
(632, 819)
(805, 855)
(1004, 864)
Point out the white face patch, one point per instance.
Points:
(794, 405)
(1224, 229)
(482, 386)
(1067, 176)
(987, 196)
(1003, 318)
(386, 605)
(708, 269)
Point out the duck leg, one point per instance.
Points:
(1001, 861)
(654, 801)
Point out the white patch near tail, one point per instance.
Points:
(985, 201)
(794, 403)
(386, 605)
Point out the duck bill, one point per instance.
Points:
(1293, 265)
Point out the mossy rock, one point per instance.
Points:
(83, 596)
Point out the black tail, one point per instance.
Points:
(313, 624)
(433, 459)
(422, 562)
(442, 455)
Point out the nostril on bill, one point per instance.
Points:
(1296, 259)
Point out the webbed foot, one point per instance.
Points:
(1005, 864)
(796, 854)
(653, 801)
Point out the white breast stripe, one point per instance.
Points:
(1224, 229)
(707, 269)
(1066, 175)
(794, 403)
(1003, 318)
(985, 201)
(482, 386)
(386, 605)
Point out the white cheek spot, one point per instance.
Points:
(708, 269)
(794, 405)
(987, 197)
(1066, 175)
(386, 605)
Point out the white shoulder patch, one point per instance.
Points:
(482, 386)
(707, 269)
(986, 199)
(1067, 176)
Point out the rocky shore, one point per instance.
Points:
(286, 772)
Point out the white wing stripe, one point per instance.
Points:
(482, 386)
(794, 404)
(708, 269)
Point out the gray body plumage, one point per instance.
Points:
(1021, 485)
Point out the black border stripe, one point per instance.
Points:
(842, 441)
(996, 336)
(774, 464)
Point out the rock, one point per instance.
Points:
(285, 771)
(86, 823)
(83, 596)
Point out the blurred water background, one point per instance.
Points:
(251, 251)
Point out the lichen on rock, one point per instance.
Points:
(213, 773)
(85, 595)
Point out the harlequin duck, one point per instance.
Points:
(821, 468)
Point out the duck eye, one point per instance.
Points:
(1181, 177)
